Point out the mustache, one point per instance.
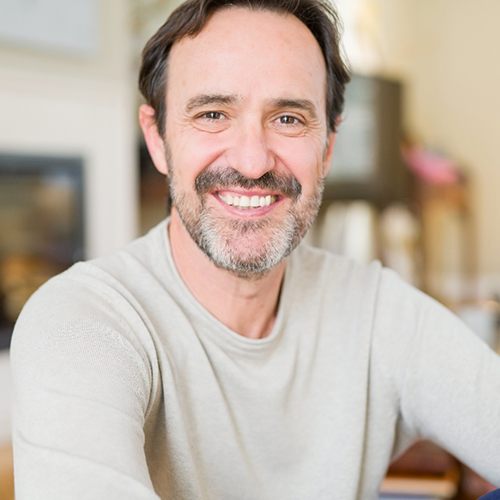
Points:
(227, 177)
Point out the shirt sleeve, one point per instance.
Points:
(448, 380)
(81, 393)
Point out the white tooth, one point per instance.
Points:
(254, 201)
(229, 199)
(268, 199)
(244, 201)
(236, 201)
(262, 201)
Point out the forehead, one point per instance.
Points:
(247, 52)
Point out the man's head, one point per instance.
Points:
(251, 104)
(191, 17)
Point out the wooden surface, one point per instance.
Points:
(6, 473)
(425, 469)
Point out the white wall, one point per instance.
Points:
(58, 104)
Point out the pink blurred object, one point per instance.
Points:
(430, 166)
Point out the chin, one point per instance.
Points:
(251, 255)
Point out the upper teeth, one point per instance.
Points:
(247, 201)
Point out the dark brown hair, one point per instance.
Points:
(191, 17)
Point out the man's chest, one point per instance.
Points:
(292, 426)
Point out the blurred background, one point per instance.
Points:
(414, 180)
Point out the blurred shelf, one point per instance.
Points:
(423, 471)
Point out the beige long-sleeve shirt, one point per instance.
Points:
(127, 388)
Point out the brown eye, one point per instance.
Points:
(290, 125)
(213, 115)
(212, 121)
(288, 120)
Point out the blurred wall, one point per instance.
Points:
(446, 53)
(60, 104)
(444, 50)
(454, 102)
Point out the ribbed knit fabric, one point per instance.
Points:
(127, 388)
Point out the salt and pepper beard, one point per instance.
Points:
(218, 236)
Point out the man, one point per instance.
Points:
(212, 359)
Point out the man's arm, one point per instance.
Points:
(448, 379)
(81, 394)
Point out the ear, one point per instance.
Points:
(327, 158)
(154, 141)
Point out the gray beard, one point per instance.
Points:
(220, 238)
(214, 236)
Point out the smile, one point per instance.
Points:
(241, 201)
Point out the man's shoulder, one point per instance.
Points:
(126, 271)
(104, 291)
(314, 263)
(320, 273)
(78, 297)
(81, 334)
(143, 255)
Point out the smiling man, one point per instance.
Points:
(216, 358)
(246, 145)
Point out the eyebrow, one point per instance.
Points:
(201, 100)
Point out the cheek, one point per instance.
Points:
(192, 151)
(303, 157)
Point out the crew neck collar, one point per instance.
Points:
(221, 332)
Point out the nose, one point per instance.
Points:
(249, 152)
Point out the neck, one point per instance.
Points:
(246, 306)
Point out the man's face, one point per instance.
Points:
(246, 137)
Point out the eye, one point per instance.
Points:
(212, 116)
(289, 124)
(211, 121)
(289, 120)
